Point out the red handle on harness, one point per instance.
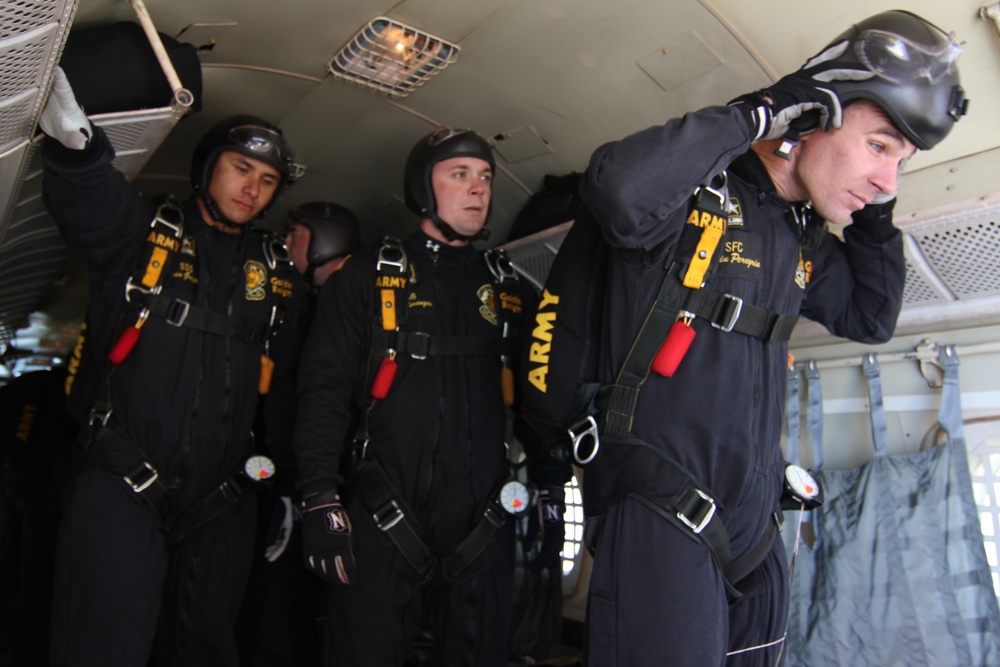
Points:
(123, 347)
(383, 379)
(676, 345)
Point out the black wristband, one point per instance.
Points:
(753, 108)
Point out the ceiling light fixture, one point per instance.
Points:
(392, 57)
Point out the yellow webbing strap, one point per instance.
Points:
(388, 309)
(702, 259)
(157, 260)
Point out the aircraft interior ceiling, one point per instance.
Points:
(546, 81)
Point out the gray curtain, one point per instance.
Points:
(898, 573)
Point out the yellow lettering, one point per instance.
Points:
(281, 287)
(736, 258)
(163, 241)
(544, 328)
(395, 282)
(539, 352)
(510, 302)
(537, 377)
(548, 299)
(74, 361)
(709, 220)
(706, 219)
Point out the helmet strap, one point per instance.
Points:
(213, 210)
(451, 235)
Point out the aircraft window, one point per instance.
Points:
(986, 489)
(573, 517)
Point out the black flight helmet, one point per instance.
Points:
(916, 78)
(442, 144)
(334, 230)
(251, 136)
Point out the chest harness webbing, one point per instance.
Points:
(644, 472)
(369, 482)
(116, 452)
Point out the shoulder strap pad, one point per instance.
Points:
(163, 242)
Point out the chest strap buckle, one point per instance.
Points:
(730, 313)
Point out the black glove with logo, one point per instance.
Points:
(547, 527)
(326, 537)
(802, 100)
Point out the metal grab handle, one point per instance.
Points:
(182, 96)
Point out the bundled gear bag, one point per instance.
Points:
(897, 574)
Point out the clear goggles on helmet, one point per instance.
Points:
(901, 60)
(444, 134)
(270, 145)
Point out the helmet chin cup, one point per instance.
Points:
(216, 213)
(451, 235)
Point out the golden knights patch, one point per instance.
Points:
(803, 274)
(256, 278)
(489, 308)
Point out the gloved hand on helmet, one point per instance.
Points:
(801, 101)
(63, 118)
(326, 538)
(547, 528)
(874, 221)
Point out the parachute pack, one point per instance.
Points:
(558, 369)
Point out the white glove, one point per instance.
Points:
(62, 118)
(279, 535)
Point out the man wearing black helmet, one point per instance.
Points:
(282, 599)
(321, 236)
(685, 484)
(421, 389)
(157, 537)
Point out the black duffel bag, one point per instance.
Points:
(114, 68)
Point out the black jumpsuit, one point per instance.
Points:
(187, 400)
(439, 436)
(656, 595)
